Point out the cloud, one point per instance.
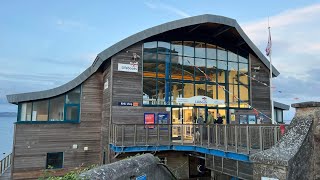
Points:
(295, 52)
(67, 25)
(161, 6)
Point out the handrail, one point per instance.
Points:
(5, 163)
(239, 138)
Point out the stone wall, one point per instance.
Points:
(296, 155)
(143, 165)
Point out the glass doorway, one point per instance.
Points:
(183, 120)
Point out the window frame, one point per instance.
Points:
(47, 157)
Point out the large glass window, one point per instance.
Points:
(25, 111)
(40, 110)
(56, 110)
(183, 69)
(65, 107)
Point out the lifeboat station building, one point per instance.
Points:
(154, 91)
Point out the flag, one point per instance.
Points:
(268, 48)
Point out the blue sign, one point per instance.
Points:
(143, 177)
(163, 118)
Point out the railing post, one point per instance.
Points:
(248, 143)
(135, 135)
(147, 135)
(216, 126)
(236, 137)
(182, 130)
(169, 134)
(225, 138)
(158, 135)
(201, 133)
(208, 130)
(122, 134)
(260, 138)
(275, 134)
(194, 134)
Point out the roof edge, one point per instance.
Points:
(140, 36)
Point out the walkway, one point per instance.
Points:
(6, 175)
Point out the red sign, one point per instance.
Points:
(149, 118)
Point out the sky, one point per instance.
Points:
(44, 44)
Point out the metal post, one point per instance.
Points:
(182, 138)
(248, 144)
(208, 130)
(147, 135)
(135, 135)
(194, 135)
(201, 133)
(260, 138)
(275, 134)
(237, 168)
(225, 138)
(169, 134)
(216, 136)
(122, 134)
(236, 138)
(158, 135)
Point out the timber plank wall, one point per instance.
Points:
(259, 93)
(34, 141)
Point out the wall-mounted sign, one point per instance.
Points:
(132, 67)
(199, 100)
(163, 118)
(252, 119)
(149, 118)
(243, 119)
(128, 104)
(106, 84)
(143, 177)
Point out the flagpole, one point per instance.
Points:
(271, 97)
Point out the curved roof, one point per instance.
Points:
(111, 51)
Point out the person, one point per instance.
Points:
(199, 128)
(219, 119)
(200, 120)
(210, 119)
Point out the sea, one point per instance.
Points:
(6, 135)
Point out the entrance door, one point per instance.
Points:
(182, 124)
(183, 120)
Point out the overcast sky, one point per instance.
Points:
(44, 44)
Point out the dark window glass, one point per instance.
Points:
(200, 49)
(40, 110)
(188, 68)
(150, 47)
(188, 48)
(163, 47)
(54, 160)
(176, 48)
(25, 111)
(72, 113)
(56, 108)
(73, 97)
(149, 91)
(200, 69)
